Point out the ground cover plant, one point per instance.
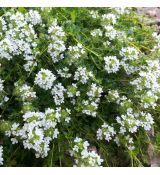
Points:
(78, 87)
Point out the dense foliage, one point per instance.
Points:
(78, 87)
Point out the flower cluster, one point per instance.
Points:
(97, 33)
(132, 121)
(147, 84)
(64, 72)
(110, 32)
(1, 85)
(39, 129)
(90, 105)
(129, 61)
(75, 52)
(3, 97)
(1, 155)
(94, 14)
(56, 38)
(111, 64)
(25, 92)
(82, 75)
(33, 17)
(58, 93)
(45, 79)
(106, 132)
(72, 91)
(19, 37)
(113, 96)
(83, 156)
(109, 18)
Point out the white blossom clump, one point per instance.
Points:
(90, 105)
(1, 85)
(58, 91)
(111, 64)
(110, 32)
(3, 26)
(3, 97)
(108, 19)
(64, 72)
(72, 91)
(94, 14)
(146, 80)
(132, 121)
(129, 53)
(113, 96)
(75, 52)
(20, 39)
(25, 92)
(148, 99)
(96, 33)
(95, 91)
(157, 38)
(83, 156)
(129, 143)
(122, 10)
(56, 38)
(45, 79)
(1, 155)
(90, 108)
(33, 17)
(106, 132)
(82, 75)
(39, 129)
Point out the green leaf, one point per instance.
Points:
(73, 16)
(22, 9)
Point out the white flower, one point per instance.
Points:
(96, 33)
(129, 53)
(113, 96)
(33, 17)
(122, 10)
(33, 132)
(67, 119)
(33, 116)
(1, 155)
(75, 52)
(77, 140)
(14, 126)
(6, 99)
(110, 33)
(111, 64)
(75, 148)
(94, 14)
(82, 75)
(58, 91)
(14, 141)
(107, 132)
(83, 156)
(85, 144)
(57, 46)
(45, 79)
(56, 132)
(95, 91)
(111, 18)
(25, 92)
(1, 84)
(64, 72)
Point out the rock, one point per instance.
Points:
(151, 13)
